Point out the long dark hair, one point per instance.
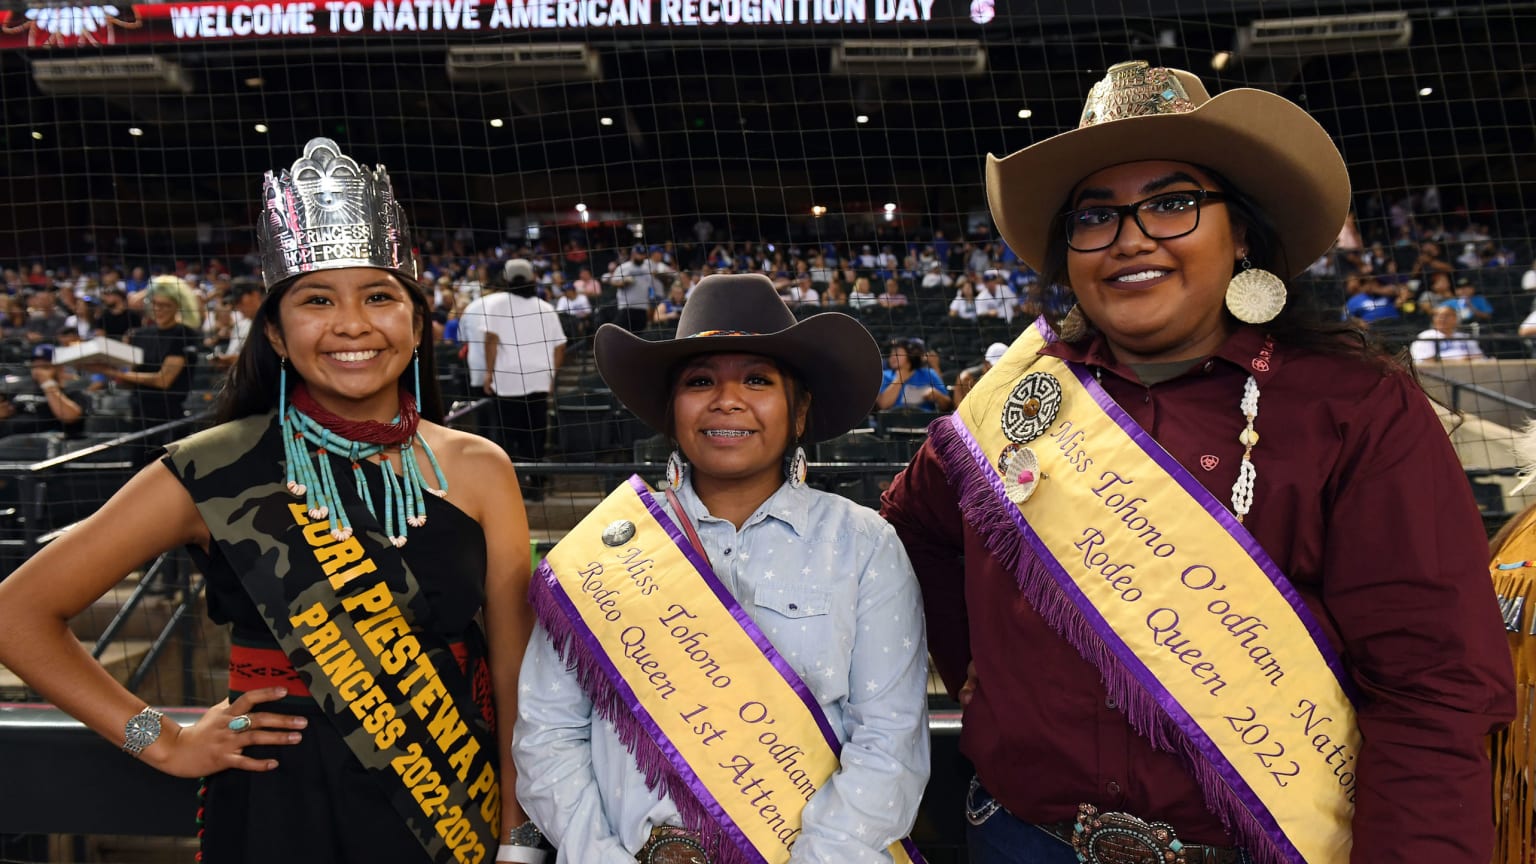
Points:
(1301, 324)
(252, 385)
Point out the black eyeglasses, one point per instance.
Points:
(1163, 216)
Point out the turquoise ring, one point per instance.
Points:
(240, 724)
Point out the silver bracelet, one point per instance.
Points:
(526, 834)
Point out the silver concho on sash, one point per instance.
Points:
(618, 533)
(1031, 407)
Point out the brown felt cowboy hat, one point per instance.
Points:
(831, 353)
(1266, 145)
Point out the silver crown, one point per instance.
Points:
(327, 212)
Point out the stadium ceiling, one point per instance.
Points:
(665, 110)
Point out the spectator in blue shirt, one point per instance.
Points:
(1371, 301)
(908, 381)
(1471, 307)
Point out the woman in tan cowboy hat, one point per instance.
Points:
(733, 671)
(1222, 595)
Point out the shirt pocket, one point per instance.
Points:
(794, 602)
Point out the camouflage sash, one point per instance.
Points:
(344, 614)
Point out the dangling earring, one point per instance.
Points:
(1255, 296)
(1073, 326)
(675, 469)
(285, 424)
(798, 467)
(416, 373)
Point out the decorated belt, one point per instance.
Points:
(672, 845)
(1120, 838)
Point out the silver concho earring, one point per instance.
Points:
(675, 469)
(1255, 296)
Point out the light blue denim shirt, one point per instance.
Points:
(831, 586)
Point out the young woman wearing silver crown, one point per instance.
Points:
(733, 669)
(351, 542)
(1205, 571)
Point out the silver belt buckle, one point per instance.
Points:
(1120, 838)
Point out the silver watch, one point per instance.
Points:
(142, 730)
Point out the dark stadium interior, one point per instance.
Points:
(755, 127)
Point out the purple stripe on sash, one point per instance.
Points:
(664, 768)
(1008, 536)
(755, 633)
(1218, 511)
(728, 600)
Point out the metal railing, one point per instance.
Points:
(1458, 387)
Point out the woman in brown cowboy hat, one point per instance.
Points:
(1222, 595)
(815, 590)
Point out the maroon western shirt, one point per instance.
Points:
(1359, 499)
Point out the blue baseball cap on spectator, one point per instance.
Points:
(637, 249)
(43, 352)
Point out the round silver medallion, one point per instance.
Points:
(618, 533)
(1031, 407)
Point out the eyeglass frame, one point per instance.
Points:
(1201, 196)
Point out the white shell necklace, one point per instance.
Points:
(1242, 490)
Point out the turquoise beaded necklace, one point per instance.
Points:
(314, 480)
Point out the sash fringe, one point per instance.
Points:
(660, 775)
(1514, 748)
(999, 533)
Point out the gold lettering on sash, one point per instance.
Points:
(370, 620)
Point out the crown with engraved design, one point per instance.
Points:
(327, 212)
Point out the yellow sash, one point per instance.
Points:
(1127, 555)
(713, 713)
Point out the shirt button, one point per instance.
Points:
(1111, 704)
(793, 607)
(1112, 788)
(1209, 365)
(727, 550)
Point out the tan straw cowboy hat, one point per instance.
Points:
(1266, 145)
(833, 354)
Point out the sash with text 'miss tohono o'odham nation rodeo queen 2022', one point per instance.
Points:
(1191, 624)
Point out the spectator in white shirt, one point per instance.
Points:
(801, 293)
(862, 296)
(935, 280)
(993, 283)
(1443, 341)
(523, 346)
(964, 306)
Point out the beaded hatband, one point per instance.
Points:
(404, 497)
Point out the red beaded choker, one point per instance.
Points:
(401, 431)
